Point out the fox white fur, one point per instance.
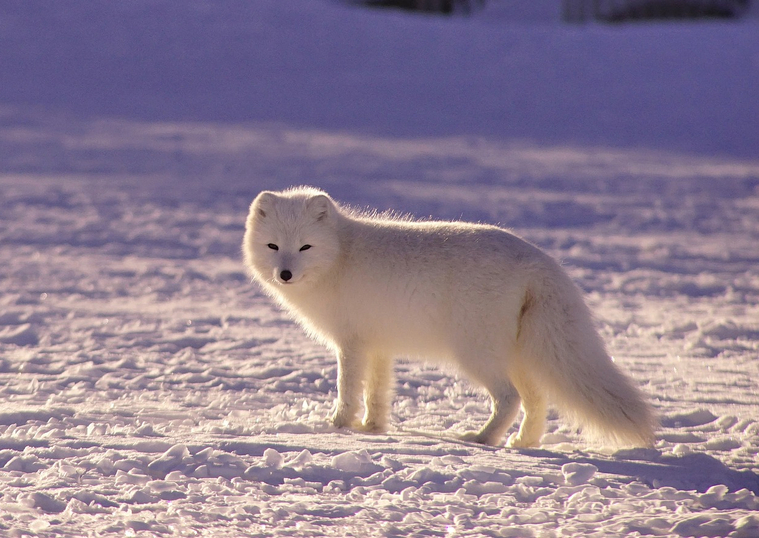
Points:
(472, 295)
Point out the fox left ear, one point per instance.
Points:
(321, 207)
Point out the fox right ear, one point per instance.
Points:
(262, 203)
(320, 206)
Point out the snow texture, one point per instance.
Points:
(149, 389)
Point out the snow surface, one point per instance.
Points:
(149, 389)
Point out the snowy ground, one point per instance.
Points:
(148, 389)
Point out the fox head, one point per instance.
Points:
(291, 237)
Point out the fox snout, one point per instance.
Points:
(284, 270)
(284, 276)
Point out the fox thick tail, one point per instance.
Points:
(558, 340)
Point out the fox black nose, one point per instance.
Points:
(285, 275)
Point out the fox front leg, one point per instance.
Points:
(351, 368)
(378, 394)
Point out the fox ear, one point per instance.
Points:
(262, 204)
(320, 206)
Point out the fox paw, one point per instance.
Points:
(479, 438)
(342, 419)
(371, 426)
(515, 441)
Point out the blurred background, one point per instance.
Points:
(234, 95)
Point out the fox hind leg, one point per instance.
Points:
(534, 407)
(504, 402)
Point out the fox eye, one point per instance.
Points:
(305, 247)
(273, 246)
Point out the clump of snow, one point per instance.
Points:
(272, 458)
(578, 473)
(359, 462)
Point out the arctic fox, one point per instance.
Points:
(476, 296)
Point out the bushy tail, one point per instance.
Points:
(569, 358)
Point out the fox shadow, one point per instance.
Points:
(695, 471)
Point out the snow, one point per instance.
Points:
(149, 389)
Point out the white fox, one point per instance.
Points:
(476, 296)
